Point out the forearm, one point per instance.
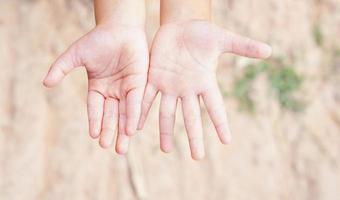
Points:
(125, 12)
(182, 10)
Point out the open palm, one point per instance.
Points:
(184, 58)
(116, 61)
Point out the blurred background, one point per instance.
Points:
(284, 112)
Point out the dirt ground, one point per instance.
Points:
(46, 153)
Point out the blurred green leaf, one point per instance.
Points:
(285, 82)
(243, 86)
(282, 79)
(318, 35)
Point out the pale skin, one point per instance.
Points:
(183, 62)
(184, 57)
(116, 57)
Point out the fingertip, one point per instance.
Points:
(224, 133)
(130, 131)
(94, 134)
(104, 144)
(53, 77)
(198, 156)
(122, 144)
(166, 143)
(197, 149)
(166, 148)
(226, 141)
(228, 138)
(45, 80)
(266, 51)
(105, 141)
(121, 150)
(140, 127)
(47, 83)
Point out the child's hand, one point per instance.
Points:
(183, 61)
(116, 60)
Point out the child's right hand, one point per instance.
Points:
(116, 61)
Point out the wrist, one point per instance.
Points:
(181, 11)
(121, 12)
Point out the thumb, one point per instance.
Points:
(243, 46)
(62, 66)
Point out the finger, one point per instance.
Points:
(133, 109)
(122, 143)
(110, 122)
(167, 121)
(95, 105)
(193, 125)
(62, 66)
(149, 96)
(213, 101)
(247, 47)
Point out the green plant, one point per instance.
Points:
(243, 86)
(285, 82)
(242, 90)
(318, 35)
(282, 79)
(337, 52)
